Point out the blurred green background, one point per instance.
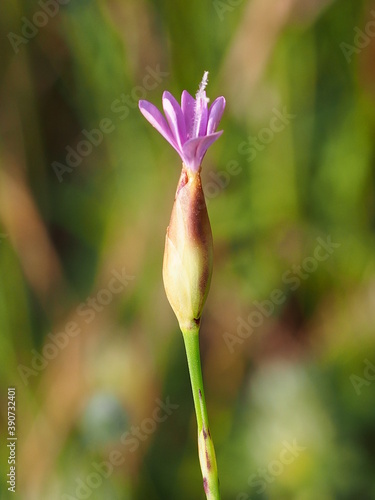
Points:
(287, 338)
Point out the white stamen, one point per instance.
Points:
(200, 97)
(201, 94)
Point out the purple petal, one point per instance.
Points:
(188, 107)
(215, 114)
(175, 118)
(157, 120)
(195, 149)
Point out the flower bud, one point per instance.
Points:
(188, 254)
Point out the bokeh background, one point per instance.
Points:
(90, 365)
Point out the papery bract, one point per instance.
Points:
(188, 255)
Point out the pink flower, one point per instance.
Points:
(189, 128)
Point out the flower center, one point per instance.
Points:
(201, 101)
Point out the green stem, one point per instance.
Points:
(191, 339)
(206, 449)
